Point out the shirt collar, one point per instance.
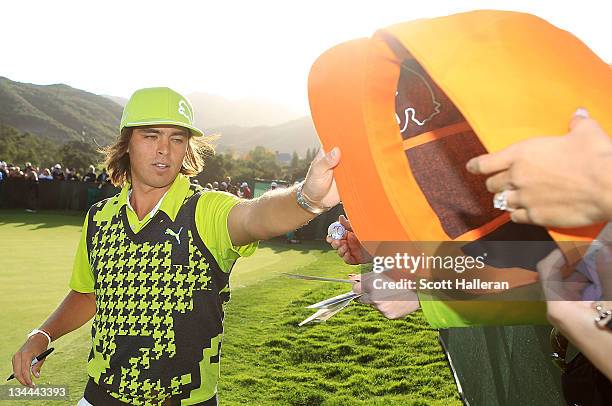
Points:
(153, 210)
(171, 201)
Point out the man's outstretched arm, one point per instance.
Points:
(277, 212)
(75, 310)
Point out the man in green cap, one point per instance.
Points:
(153, 264)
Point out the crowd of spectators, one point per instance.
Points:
(35, 173)
(240, 189)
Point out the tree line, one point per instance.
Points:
(18, 147)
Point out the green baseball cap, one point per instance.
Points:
(158, 105)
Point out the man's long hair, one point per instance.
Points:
(117, 160)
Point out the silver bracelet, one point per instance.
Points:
(306, 204)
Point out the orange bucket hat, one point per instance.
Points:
(411, 105)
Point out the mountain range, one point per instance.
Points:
(61, 113)
(296, 135)
(58, 112)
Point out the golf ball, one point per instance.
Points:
(336, 230)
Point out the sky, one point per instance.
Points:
(259, 49)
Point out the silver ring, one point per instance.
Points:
(500, 201)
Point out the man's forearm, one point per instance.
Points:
(75, 310)
(276, 213)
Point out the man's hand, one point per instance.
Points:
(319, 185)
(349, 248)
(75, 310)
(23, 359)
(277, 212)
(554, 181)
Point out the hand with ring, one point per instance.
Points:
(557, 181)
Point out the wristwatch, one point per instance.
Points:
(306, 203)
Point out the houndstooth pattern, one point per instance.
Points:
(138, 290)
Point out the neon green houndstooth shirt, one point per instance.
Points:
(160, 285)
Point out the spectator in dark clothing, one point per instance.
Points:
(3, 171)
(231, 188)
(71, 174)
(57, 173)
(3, 177)
(103, 176)
(32, 181)
(90, 176)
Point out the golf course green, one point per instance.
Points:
(356, 358)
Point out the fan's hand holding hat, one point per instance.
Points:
(553, 181)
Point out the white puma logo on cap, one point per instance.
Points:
(185, 111)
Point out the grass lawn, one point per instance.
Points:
(357, 357)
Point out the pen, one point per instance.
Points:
(316, 278)
(36, 360)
